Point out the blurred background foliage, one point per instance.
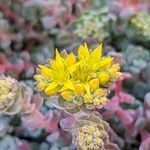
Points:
(30, 30)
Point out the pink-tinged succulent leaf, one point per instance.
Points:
(138, 120)
(126, 75)
(49, 22)
(2, 69)
(27, 107)
(20, 64)
(113, 135)
(37, 120)
(32, 118)
(118, 57)
(53, 117)
(28, 66)
(113, 104)
(131, 129)
(108, 114)
(127, 98)
(139, 112)
(147, 100)
(144, 134)
(147, 114)
(37, 100)
(125, 8)
(130, 3)
(5, 65)
(145, 145)
(23, 145)
(55, 102)
(67, 123)
(125, 117)
(53, 136)
(111, 146)
(16, 68)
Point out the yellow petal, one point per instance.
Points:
(114, 69)
(83, 51)
(98, 141)
(41, 86)
(69, 85)
(94, 83)
(115, 66)
(91, 128)
(119, 75)
(104, 100)
(67, 95)
(100, 93)
(58, 58)
(87, 87)
(38, 77)
(51, 62)
(51, 92)
(97, 52)
(88, 98)
(103, 77)
(46, 71)
(63, 89)
(79, 88)
(51, 87)
(73, 67)
(106, 62)
(89, 138)
(71, 59)
(96, 101)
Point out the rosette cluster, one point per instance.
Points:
(13, 95)
(138, 28)
(92, 24)
(10, 95)
(82, 81)
(136, 58)
(90, 133)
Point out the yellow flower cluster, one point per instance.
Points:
(84, 77)
(90, 137)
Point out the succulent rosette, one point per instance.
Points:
(92, 24)
(90, 132)
(81, 81)
(136, 58)
(138, 28)
(11, 95)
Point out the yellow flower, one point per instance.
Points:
(41, 82)
(68, 95)
(88, 98)
(100, 93)
(84, 77)
(103, 77)
(57, 74)
(94, 67)
(79, 88)
(94, 84)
